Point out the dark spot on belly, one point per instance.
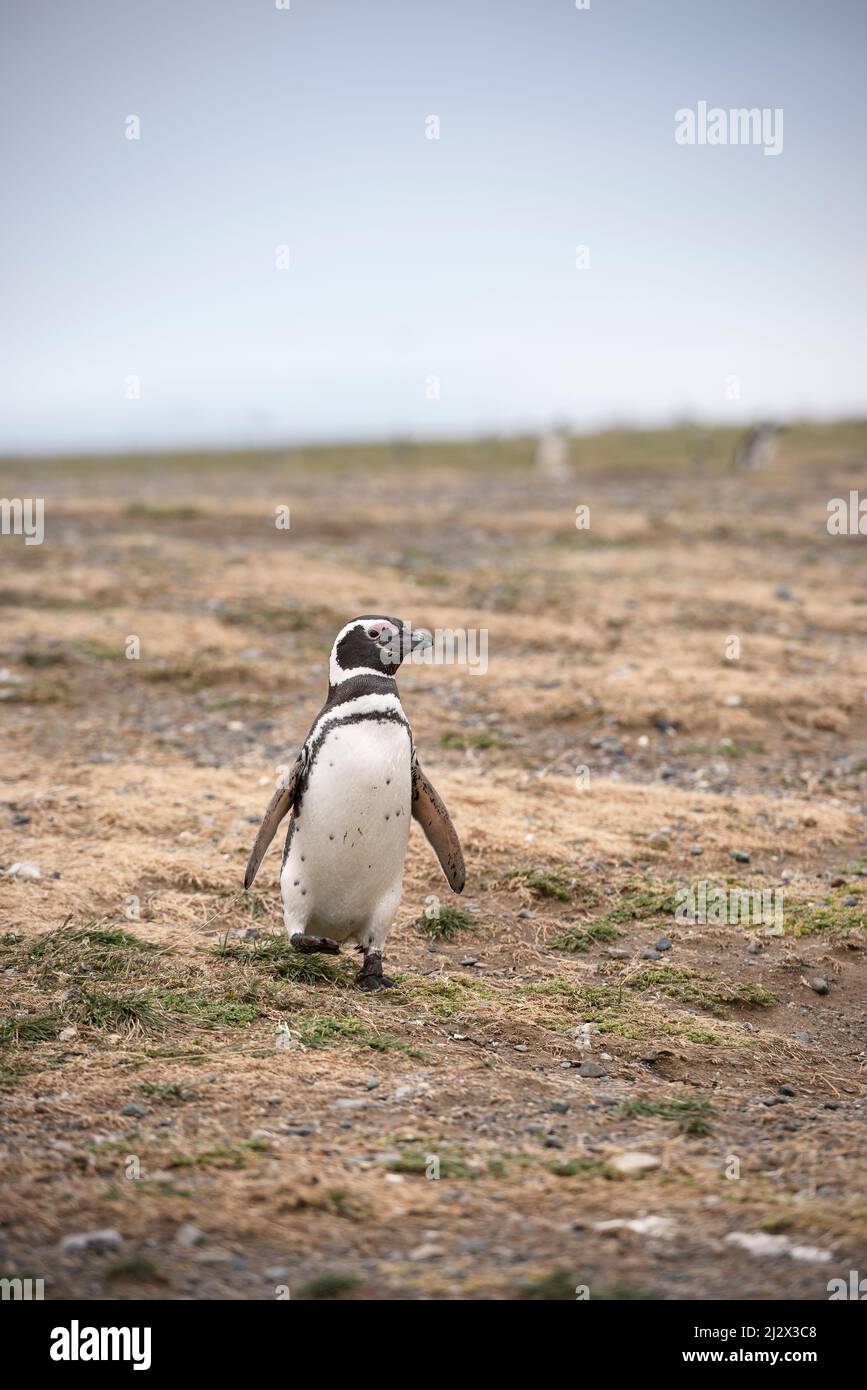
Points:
(295, 884)
(331, 837)
(386, 818)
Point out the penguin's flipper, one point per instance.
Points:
(281, 802)
(429, 810)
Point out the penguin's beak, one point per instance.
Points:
(419, 638)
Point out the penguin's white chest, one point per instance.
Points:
(344, 870)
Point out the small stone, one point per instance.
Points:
(469, 960)
(91, 1240)
(832, 1105)
(782, 591)
(740, 855)
(774, 1100)
(372, 1083)
(850, 902)
(276, 1274)
(67, 1034)
(190, 1235)
(591, 1069)
(552, 1142)
(559, 1107)
(633, 1161)
(819, 984)
(525, 913)
(521, 1047)
(786, 1089)
(650, 953)
(696, 849)
(134, 1109)
(754, 948)
(298, 1129)
(426, 1252)
(25, 868)
(663, 944)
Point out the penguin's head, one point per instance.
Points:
(374, 646)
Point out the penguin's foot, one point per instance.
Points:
(370, 976)
(307, 945)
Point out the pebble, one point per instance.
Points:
(782, 591)
(469, 960)
(819, 984)
(591, 1069)
(521, 1047)
(276, 1274)
(740, 855)
(188, 1234)
(25, 868)
(552, 1142)
(137, 1111)
(650, 953)
(372, 1083)
(754, 948)
(298, 1129)
(91, 1240)
(762, 1243)
(67, 1034)
(524, 913)
(832, 1105)
(696, 849)
(559, 1107)
(774, 1100)
(787, 1089)
(633, 1161)
(663, 944)
(427, 1252)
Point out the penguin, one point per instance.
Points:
(352, 790)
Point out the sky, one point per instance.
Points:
(434, 287)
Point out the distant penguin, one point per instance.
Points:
(757, 449)
(351, 792)
(552, 456)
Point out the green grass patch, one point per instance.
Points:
(690, 1116)
(36, 1028)
(275, 956)
(544, 883)
(101, 953)
(582, 937)
(207, 1012)
(322, 1030)
(131, 1014)
(329, 1287)
(446, 924)
(702, 991)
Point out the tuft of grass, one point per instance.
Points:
(545, 883)
(446, 924)
(102, 953)
(131, 1014)
(207, 1012)
(275, 956)
(702, 991)
(323, 1029)
(557, 1287)
(329, 1286)
(220, 1155)
(135, 1268)
(571, 1167)
(451, 1165)
(690, 1116)
(165, 1090)
(36, 1028)
(581, 937)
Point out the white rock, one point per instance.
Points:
(91, 1240)
(190, 1235)
(67, 1034)
(633, 1161)
(24, 868)
(760, 1243)
(642, 1226)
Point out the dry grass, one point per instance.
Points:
(295, 1120)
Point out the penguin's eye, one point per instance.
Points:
(374, 633)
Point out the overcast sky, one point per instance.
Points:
(432, 285)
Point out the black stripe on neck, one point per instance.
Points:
(358, 685)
